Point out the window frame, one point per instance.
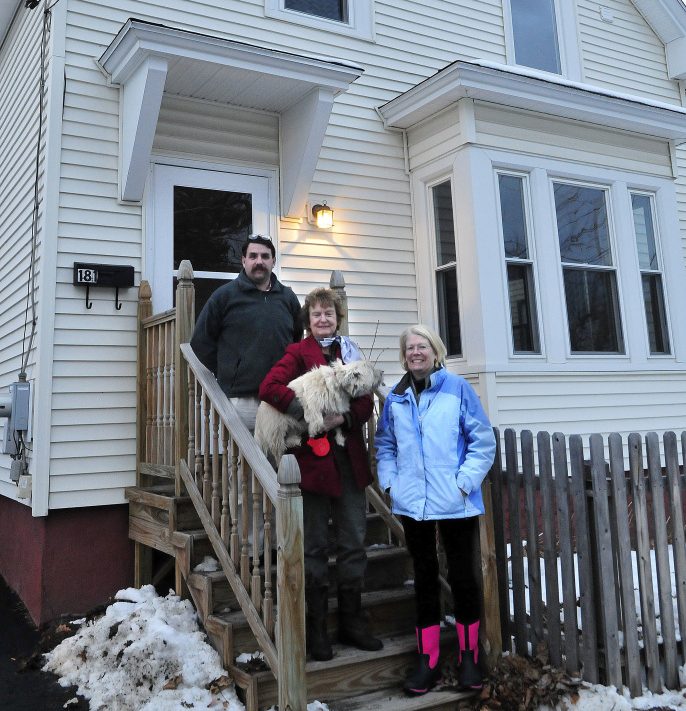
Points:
(436, 268)
(660, 271)
(567, 38)
(615, 268)
(531, 261)
(359, 23)
(158, 266)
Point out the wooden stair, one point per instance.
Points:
(353, 679)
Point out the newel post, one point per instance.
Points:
(337, 283)
(142, 564)
(144, 311)
(290, 582)
(185, 321)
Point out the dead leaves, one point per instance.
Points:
(520, 684)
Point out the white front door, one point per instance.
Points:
(203, 216)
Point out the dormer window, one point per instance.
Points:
(535, 34)
(354, 18)
(328, 9)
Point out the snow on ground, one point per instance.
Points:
(604, 698)
(147, 653)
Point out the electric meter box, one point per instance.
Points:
(18, 412)
(21, 394)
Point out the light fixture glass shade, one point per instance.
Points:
(323, 216)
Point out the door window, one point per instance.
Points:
(205, 217)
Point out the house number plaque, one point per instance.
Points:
(99, 275)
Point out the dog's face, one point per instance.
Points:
(357, 378)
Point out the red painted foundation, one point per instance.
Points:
(67, 562)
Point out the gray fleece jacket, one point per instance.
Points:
(242, 331)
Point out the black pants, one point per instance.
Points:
(458, 536)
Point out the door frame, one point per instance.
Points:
(158, 255)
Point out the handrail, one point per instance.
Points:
(232, 575)
(225, 456)
(162, 317)
(255, 457)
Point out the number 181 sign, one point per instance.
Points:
(86, 275)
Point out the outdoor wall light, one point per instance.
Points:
(323, 215)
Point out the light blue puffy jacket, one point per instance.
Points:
(434, 455)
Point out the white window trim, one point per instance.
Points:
(567, 37)
(360, 22)
(431, 236)
(615, 266)
(548, 268)
(660, 270)
(531, 246)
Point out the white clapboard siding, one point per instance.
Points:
(360, 173)
(586, 403)
(681, 194)
(209, 130)
(570, 140)
(19, 96)
(624, 55)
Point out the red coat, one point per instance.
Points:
(319, 475)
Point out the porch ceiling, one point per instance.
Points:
(516, 87)
(147, 60)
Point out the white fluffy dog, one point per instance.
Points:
(325, 390)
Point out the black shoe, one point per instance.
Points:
(355, 633)
(353, 627)
(468, 673)
(423, 678)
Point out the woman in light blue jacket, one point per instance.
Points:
(434, 447)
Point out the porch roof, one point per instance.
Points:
(520, 88)
(147, 60)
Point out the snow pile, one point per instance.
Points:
(146, 652)
(606, 698)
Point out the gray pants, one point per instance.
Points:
(349, 515)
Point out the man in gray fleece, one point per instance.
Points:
(245, 326)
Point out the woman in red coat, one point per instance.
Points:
(333, 480)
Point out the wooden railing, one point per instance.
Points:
(189, 433)
(589, 529)
(156, 372)
(223, 471)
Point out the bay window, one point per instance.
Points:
(590, 280)
(445, 267)
(651, 273)
(520, 277)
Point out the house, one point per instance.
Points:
(509, 171)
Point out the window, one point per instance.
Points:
(651, 274)
(354, 18)
(520, 277)
(210, 227)
(446, 268)
(590, 281)
(535, 34)
(329, 9)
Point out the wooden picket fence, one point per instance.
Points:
(574, 530)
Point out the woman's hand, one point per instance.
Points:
(331, 421)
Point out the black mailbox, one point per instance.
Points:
(99, 275)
